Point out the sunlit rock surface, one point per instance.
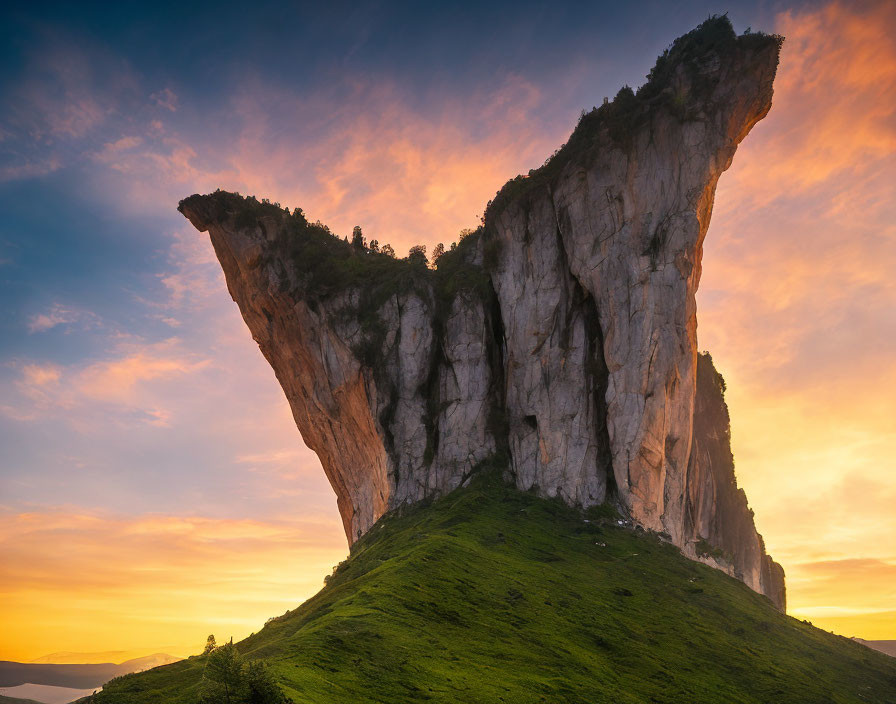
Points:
(560, 337)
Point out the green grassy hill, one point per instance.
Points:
(491, 595)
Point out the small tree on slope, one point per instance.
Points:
(229, 679)
(210, 645)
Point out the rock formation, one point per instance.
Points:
(717, 520)
(559, 339)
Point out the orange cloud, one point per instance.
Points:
(116, 380)
(407, 178)
(368, 157)
(833, 116)
(41, 375)
(132, 380)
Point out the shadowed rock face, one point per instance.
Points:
(560, 338)
(718, 522)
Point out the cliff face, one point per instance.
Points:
(560, 337)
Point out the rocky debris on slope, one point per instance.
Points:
(562, 335)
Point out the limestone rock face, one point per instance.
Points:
(554, 373)
(559, 340)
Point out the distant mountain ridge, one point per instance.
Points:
(76, 675)
(101, 657)
(43, 694)
(887, 647)
(17, 700)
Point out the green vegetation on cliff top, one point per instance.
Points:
(492, 595)
(327, 266)
(619, 119)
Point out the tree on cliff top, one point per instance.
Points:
(358, 238)
(417, 255)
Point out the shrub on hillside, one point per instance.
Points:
(230, 679)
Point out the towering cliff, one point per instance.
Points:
(559, 339)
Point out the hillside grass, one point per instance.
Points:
(492, 595)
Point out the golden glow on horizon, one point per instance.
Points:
(76, 582)
(804, 204)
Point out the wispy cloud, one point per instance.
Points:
(38, 376)
(117, 380)
(28, 168)
(66, 92)
(68, 96)
(405, 173)
(193, 279)
(364, 154)
(165, 98)
(122, 388)
(59, 314)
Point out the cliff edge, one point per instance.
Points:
(559, 339)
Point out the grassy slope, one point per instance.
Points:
(490, 595)
(15, 700)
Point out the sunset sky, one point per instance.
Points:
(153, 486)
